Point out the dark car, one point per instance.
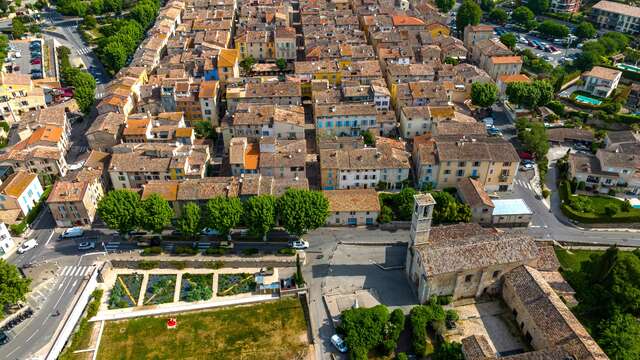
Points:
(3, 338)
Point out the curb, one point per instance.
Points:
(382, 243)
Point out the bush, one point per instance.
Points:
(185, 250)
(626, 206)
(154, 250)
(18, 229)
(451, 316)
(581, 185)
(148, 265)
(94, 305)
(178, 265)
(402, 356)
(287, 251)
(215, 265)
(610, 210)
(546, 193)
(216, 251)
(445, 299)
(556, 106)
(611, 192)
(581, 204)
(249, 252)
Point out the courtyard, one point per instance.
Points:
(273, 330)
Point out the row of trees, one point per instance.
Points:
(82, 8)
(122, 36)
(83, 83)
(594, 52)
(298, 211)
(608, 288)
(13, 287)
(530, 95)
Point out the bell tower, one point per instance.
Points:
(421, 220)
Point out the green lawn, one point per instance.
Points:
(269, 331)
(598, 214)
(571, 260)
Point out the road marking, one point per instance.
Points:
(49, 239)
(14, 350)
(88, 271)
(74, 284)
(61, 296)
(32, 335)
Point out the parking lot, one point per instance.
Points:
(25, 58)
(552, 52)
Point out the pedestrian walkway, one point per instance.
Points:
(83, 51)
(524, 184)
(75, 271)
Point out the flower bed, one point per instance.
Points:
(196, 287)
(160, 289)
(125, 291)
(233, 284)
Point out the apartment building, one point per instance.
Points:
(503, 65)
(208, 98)
(276, 93)
(19, 193)
(607, 169)
(600, 81)
(74, 202)
(419, 120)
(364, 168)
(352, 207)
(105, 131)
(252, 121)
(269, 157)
(564, 6)
(257, 44)
(448, 159)
(307, 71)
(43, 152)
(285, 43)
(134, 164)
(18, 95)
(345, 119)
(422, 93)
(616, 16)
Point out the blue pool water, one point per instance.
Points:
(588, 100)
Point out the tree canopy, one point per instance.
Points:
(469, 13)
(534, 136)
(119, 209)
(13, 287)
(445, 5)
(484, 94)
(448, 210)
(530, 95)
(366, 329)
(155, 214)
(499, 16)
(190, 221)
(552, 29)
(223, 214)
(523, 16)
(302, 210)
(538, 6)
(509, 40)
(260, 214)
(585, 30)
(487, 5)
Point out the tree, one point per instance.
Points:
(364, 328)
(509, 40)
(586, 60)
(449, 210)
(551, 29)
(4, 46)
(487, 5)
(538, 6)
(614, 42)
(302, 210)
(223, 214)
(282, 64)
(498, 16)
(469, 13)
(84, 85)
(119, 209)
(114, 56)
(190, 221)
(523, 15)
(90, 22)
(522, 94)
(585, 30)
(247, 64)
(17, 28)
(144, 14)
(620, 337)
(96, 7)
(448, 351)
(113, 5)
(445, 5)
(484, 94)
(545, 92)
(610, 210)
(13, 287)
(368, 138)
(260, 215)
(626, 206)
(534, 136)
(155, 214)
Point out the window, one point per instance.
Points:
(460, 173)
(476, 163)
(468, 278)
(506, 163)
(496, 273)
(462, 164)
(447, 172)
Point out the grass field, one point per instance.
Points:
(571, 260)
(273, 330)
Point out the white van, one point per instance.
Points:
(27, 245)
(488, 122)
(72, 233)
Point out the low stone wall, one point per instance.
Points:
(396, 225)
(133, 261)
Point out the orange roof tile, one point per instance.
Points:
(227, 57)
(208, 89)
(514, 78)
(251, 157)
(406, 21)
(506, 60)
(136, 127)
(47, 133)
(17, 183)
(184, 132)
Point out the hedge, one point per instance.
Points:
(588, 218)
(148, 265)
(19, 228)
(83, 327)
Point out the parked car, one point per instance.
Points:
(36, 61)
(527, 166)
(209, 231)
(225, 244)
(18, 54)
(337, 341)
(488, 122)
(4, 338)
(74, 232)
(27, 245)
(88, 245)
(299, 244)
(525, 155)
(137, 233)
(493, 131)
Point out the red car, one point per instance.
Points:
(525, 155)
(36, 62)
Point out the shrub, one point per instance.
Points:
(287, 251)
(216, 251)
(626, 206)
(94, 305)
(610, 210)
(402, 356)
(565, 191)
(444, 299)
(18, 229)
(215, 265)
(249, 252)
(178, 265)
(581, 204)
(556, 106)
(546, 193)
(611, 192)
(148, 265)
(185, 250)
(582, 185)
(451, 316)
(154, 250)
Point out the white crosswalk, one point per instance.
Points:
(83, 51)
(524, 184)
(71, 271)
(99, 95)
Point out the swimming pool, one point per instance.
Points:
(628, 67)
(588, 100)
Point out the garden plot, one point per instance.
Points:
(195, 287)
(233, 284)
(160, 289)
(125, 291)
